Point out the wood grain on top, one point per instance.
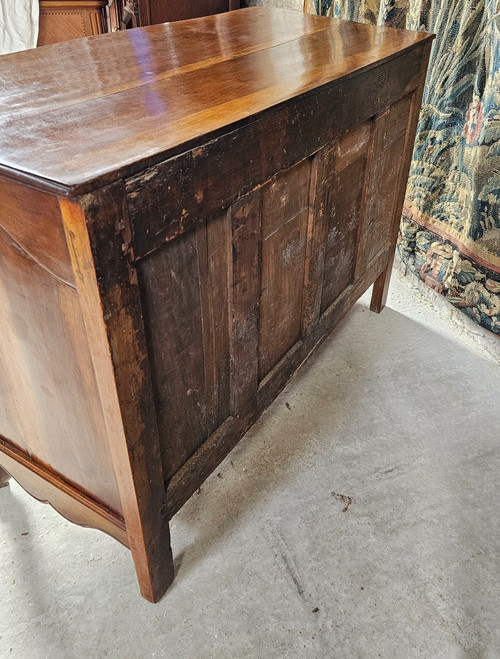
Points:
(91, 108)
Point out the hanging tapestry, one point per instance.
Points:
(450, 230)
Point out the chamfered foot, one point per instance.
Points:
(154, 583)
(380, 290)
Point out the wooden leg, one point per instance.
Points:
(153, 559)
(380, 289)
(4, 477)
(123, 377)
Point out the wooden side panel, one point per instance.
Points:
(284, 227)
(49, 400)
(48, 487)
(381, 284)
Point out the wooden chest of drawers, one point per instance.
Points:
(177, 235)
(61, 20)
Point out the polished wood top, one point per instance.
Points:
(84, 112)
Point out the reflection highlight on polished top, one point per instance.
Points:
(89, 108)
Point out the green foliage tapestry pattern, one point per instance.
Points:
(450, 231)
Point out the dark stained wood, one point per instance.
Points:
(344, 211)
(320, 186)
(187, 317)
(160, 11)
(210, 454)
(285, 203)
(387, 152)
(170, 281)
(381, 284)
(244, 287)
(250, 157)
(192, 474)
(215, 238)
(177, 235)
(158, 110)
(98, 237)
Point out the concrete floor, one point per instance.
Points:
(398, 411)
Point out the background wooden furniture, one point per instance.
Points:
(163, 276)
(61, 20)
(160, 11)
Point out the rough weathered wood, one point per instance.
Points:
(320, 186)
(244, 287)
(194, 472)
(201, 464)
(170, 281)
(381, 285)
(216, 241)
(185, 303)
(283, 245)
(343, 216)
(98, 237)
(180, 192)
(384, 176)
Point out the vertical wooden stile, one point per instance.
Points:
(322, 172)
(107, 286)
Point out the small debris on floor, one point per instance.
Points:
(288, 406)
(345, 499)
(219, 475)
(315, 610)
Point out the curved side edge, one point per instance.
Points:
(70, 502)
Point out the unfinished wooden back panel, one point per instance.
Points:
(248, 247)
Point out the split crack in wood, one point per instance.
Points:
(345, 499)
